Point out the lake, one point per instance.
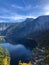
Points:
(17, 52)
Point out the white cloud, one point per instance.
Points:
(47, 13)
(46, 9)
(16, 6)
(8, 15)
(27, 7)
(43, 9)
(15, 18)
(3, 21)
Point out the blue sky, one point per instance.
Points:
(16, 10)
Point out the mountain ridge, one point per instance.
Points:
(33, 29)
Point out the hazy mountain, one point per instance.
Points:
(5, 26)
(18, 33)
(34, 31)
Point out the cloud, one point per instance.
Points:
(47, 13)
(42, 10)
(16, 12)
(8, 15)
(46, 9)
(16, 6)
(23, 8)
(26, 7)
(3, 21)
(15, 18)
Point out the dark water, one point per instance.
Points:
(17, 52)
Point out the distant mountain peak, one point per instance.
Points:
(43, 16)
(29, 19)
(29, 30)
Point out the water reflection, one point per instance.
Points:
(17, 49)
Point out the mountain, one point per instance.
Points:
(30, 32)
(5, 26)
(18, 36)
(29, 19)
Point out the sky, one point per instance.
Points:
(18, 10)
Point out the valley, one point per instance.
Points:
(33, 35)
